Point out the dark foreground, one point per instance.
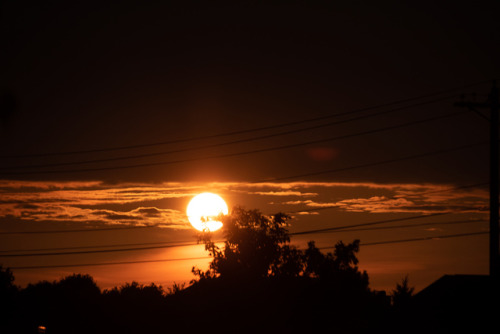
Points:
(76, 305)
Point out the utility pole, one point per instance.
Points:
(493, 104)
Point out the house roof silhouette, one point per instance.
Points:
(450, 286)
(457, 303)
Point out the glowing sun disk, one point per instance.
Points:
(203, 209)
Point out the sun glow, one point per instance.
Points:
(203, 209)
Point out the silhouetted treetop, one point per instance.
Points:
(338, 268)
(253, 245)
(79, 286)
(6, 280)
(258, 246)
(402, 294)
(135, 290)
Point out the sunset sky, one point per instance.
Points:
(115, 116)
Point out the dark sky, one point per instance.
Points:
(79, 79)
(87, 77)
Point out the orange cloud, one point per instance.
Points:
(164, 204)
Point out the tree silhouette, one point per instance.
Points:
(258, 269)
(256, 246)
(402, 294)
(135, 290)
(72, 304)
(137, 308)
(78, 286)
(338, 268)
(402, 308)
(6, 280)
(257, 281)
(8, 298)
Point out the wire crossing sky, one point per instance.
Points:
(207, 257)
(342, 115)
(272, 135)
(176, 141)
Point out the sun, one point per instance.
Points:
(203, 209)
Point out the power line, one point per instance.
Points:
(188, 243)
(383, 162)
(411, 225)
(231, 133)
(227, 155)
(79, 230)
(108, 263)
(446, 236)
(177, 244)
(436, 237)
(240, 141)
(329, 229)
(92, 251)
(208, 257)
